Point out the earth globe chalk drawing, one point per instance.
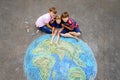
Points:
(70, 60)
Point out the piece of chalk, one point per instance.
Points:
(28, 30)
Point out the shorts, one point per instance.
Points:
(75, 30)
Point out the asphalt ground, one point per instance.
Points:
(99, 21)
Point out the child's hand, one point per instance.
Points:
(63, 25)
(53, 28)
(52, 21)
(60, 31)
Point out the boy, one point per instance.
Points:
(57, 28)
(71, 27)
(42, 22)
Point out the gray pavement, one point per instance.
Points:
(99, 21)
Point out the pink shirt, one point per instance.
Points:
(42, 20)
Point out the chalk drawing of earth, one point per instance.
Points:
(70, 60)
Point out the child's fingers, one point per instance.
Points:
(53, 28)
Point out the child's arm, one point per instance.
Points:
(53, 29)
(60, 30)
(67, 27)
(52, 21)
(48, 25)
(70, 25)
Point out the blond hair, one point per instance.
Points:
(58, 17)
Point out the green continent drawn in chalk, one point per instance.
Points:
(76, 74)
(53, 74)
(91, 78)
(64, 48)
(45, 64)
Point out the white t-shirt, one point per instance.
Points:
(42, 20)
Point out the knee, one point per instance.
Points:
(47, 30)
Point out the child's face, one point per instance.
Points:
(52, 14)
(65, 19)
(58, 21)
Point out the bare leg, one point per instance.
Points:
(53, 35)
(75, 33)
(69, 35)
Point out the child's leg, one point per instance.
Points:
(45, 29)
(69, 35)
(75, 33)
(53, 35)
